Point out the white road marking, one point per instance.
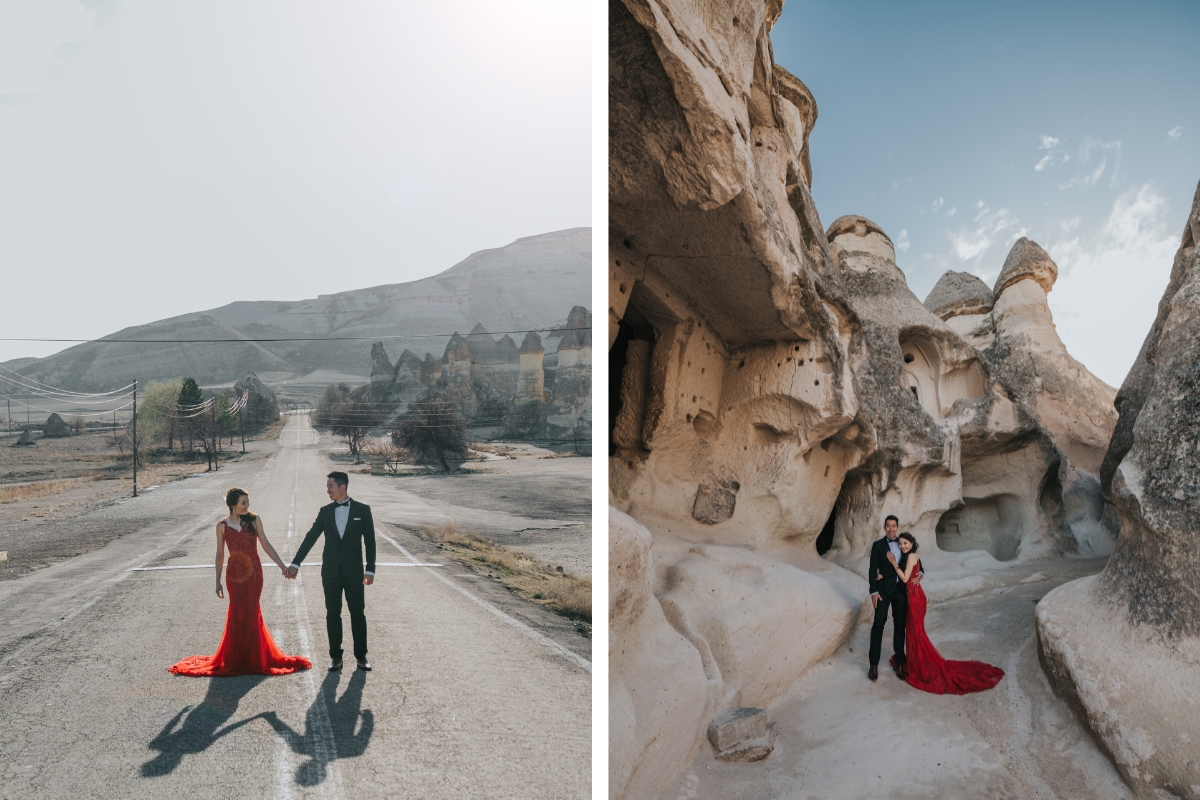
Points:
(321, 730)
(570, 655)
(269, 564)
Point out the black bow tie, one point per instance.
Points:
(342, 505)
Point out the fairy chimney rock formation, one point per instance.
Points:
(1123, 647)
(575, 347)
(382, 368)
(531, 386)
(1027, 260)
(964, 302)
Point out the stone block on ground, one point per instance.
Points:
(736, 726)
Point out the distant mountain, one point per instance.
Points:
(529, 284)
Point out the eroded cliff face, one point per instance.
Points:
(1124, 646)
(778, 390)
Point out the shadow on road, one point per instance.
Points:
(194, 729)
(343, 718)
(202, 725)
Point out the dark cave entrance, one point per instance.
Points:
(825, 538)
(618, 356)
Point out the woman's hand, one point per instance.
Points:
(892, 558)
(220, 591)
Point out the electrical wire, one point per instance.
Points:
(299, 338)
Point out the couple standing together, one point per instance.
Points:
(247, 647)
(895, 581)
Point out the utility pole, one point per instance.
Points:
(135, 452)
(8, 400)
(216, 460)
(242, 426)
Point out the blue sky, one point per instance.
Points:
(960, 126)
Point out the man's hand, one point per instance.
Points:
(368, 580)
(874, 601)
(915, 579)
(291, 572)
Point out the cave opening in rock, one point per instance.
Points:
(825, 538)
(921, 372)
(990, 523)
(617, 358)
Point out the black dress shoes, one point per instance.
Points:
(363, 665)
(335, 665)
(901, 673)
(873, 672)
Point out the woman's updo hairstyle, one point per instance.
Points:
(911, 540)
(231, 499)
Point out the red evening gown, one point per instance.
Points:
(924, 665)
(247, 647)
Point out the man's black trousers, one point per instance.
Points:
(335, 585)
(898, 602)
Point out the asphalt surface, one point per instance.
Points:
(473, 694)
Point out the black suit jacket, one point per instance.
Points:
(342, 552)
(881, 565)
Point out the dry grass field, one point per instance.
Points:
(561, 592)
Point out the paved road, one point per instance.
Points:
(467, 698)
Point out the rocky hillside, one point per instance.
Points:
(529, 283)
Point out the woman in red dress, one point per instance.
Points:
(925, 667)
(247, 647)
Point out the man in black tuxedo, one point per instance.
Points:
(888, 590)
(347, 525)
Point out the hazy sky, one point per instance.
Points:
(959, 126)
(159, 157)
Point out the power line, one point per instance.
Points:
(297, 338)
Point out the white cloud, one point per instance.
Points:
(902, 244)
(1110, 282)
(1041, 165)
(1094, 147)
(970, 244)
(937, 204)
(1049, 142)
(1175, 132)
(951, 212)
(895, 185)
(1052, 157)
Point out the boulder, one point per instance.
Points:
(25, 438)
(55, 428)
(1123, 647)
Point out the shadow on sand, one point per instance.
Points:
(194, 729)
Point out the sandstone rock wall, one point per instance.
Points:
(1124, 646)
(778, 389)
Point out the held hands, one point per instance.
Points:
(290, 572)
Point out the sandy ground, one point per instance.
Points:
(468, 698)
(841, 736)
(539, 503)
(41, 531)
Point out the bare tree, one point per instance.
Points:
(353, 421)
(433, 429)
